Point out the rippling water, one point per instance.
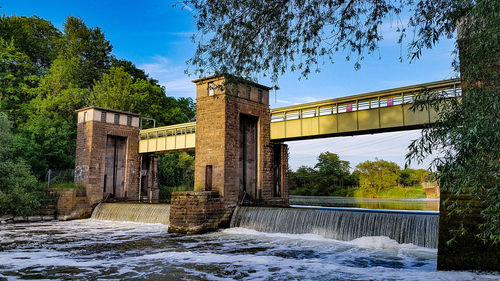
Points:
(92, 249)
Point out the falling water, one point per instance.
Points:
(134, 212)
(418, 228)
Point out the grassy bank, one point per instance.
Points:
(395, 192)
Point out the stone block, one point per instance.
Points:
(19, 219)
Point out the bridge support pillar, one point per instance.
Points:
(235, 161)
(149, 191)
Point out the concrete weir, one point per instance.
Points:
(133, 212)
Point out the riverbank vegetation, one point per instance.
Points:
(175, 173)
(370, 179)
(45, 75)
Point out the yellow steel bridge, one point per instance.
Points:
(374, 112)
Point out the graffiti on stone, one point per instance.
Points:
(81, 172)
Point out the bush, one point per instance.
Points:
(20, 192)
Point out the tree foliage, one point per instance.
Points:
(20, 193)
(466, 135)
(250, 38)
(378, 174)
(176, 169)
(35, 37)
(332, 177)
(329, 175)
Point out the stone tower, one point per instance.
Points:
(234, 155)
(235, 161)
(107, 158)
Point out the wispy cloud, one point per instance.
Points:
(171, 76)
(292, 101)
(183, 85)
(181, 34)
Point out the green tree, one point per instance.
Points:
(35, 37)
(20, 193)
(134, 72)
(120, 90)
(18, 75)
(176, 169)
(252, 38)
(114, 90)
(406, 177)
(378, 174)
(302, 181)
(466, 133)
(48, 136)
(329, 175)
(332, 173)
(90, 49)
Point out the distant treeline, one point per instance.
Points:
(332, 177)
(45, 75)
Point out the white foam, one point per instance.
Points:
(381, 242)
(252, 232)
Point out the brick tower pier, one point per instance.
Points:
(235, 161)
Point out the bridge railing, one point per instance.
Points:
(361, 102)
(381, 111)
(177, 137)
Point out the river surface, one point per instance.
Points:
(93, 249)
(423, 204)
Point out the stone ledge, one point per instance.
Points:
(206, 194)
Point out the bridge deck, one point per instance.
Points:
(179, 137)
(375, 112)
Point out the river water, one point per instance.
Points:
(94, 249)
(423, 204)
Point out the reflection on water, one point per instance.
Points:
(91, 249)
(367, 203)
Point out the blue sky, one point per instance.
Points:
(156, 37)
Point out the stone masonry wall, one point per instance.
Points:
(198, 212)
(235, 107)
(218, 137)
(210, 138)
